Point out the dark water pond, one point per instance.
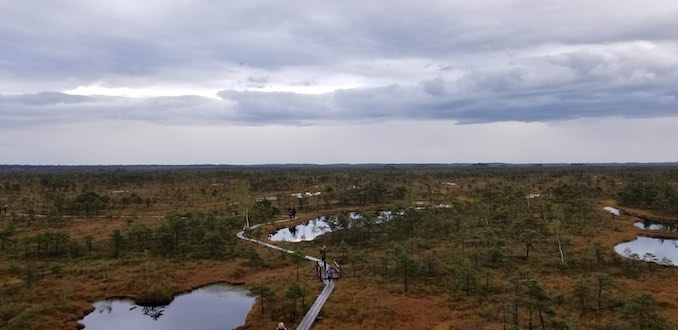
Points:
(212, 307)
(311, 229)
(663, 251)
(655, 225)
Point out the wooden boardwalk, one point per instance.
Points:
(319, 302)
(312, 313)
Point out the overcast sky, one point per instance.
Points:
(251, 82)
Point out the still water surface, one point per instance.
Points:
(306, 231)
(612, 210)
(655, 225)
(212, 307)
(311, 229)
(666, 249)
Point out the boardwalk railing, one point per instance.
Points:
(312, 313)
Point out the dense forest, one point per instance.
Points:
(487, 247)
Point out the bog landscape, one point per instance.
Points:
(338, 165)
(482, 246)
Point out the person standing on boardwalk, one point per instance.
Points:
(330, 272)
(323, 255)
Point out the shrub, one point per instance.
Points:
(155, 295)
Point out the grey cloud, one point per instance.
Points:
(50, 108)
(259, 79)
(668, 100)
(543, 88)
(306, 83)
(434, 86)
(88, 42)
(43, 98)
(534, 88)
(484, 61)
(278, 107)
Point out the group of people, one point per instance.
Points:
(329, 272)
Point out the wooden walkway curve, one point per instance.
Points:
(319, 302)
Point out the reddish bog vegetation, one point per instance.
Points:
(474, 247)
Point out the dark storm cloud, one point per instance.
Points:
(525, 60)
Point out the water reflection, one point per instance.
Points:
(154, 312)
(658, 250)
(311, 229)
(655, 225)
(212, 307)
(612, 210)
(306, 231)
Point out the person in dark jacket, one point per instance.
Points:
(323, 255)
(330, 273)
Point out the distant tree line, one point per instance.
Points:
(657, 196)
